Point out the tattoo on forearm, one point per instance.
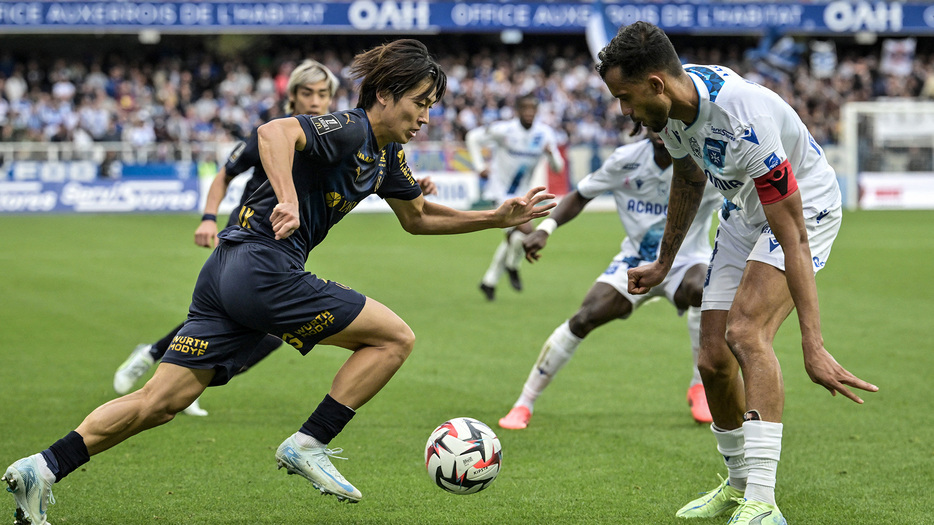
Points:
(683, 202)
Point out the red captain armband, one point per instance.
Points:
(776, 184)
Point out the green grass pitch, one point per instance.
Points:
(612, 440)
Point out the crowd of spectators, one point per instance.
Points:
(202, 96)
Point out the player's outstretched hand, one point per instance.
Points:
(284, 219)
(206, 234)
(824, 370)
(520, 210)
(534, 243)
(643, 278)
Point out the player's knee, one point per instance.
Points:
(689, 294)
(583, 322)
(744, 339)
(402, 343)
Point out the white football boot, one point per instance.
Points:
(30, 490)
(314, 464)
(132, 369)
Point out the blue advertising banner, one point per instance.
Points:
(836, 17)
(41, 187)
(99, 196)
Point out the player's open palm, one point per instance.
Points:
(520, 210)
(824, 370)
(284, 219)
(643, 278)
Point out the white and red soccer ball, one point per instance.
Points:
(463, 456)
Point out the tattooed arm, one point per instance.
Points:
(687, 190)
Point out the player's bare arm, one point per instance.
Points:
(206, 233)
(687, 191)
(569, 208)
(278, 141)
(786, 220)
(421, 217)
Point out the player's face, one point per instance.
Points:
(639, 100)
(527, 110)
(312, 99)
(404, 117)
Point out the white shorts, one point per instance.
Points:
(617, 276)
(738, 242)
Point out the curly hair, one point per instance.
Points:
(638, 49)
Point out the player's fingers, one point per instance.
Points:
(856, 382)
(532, 192)
(846, 391)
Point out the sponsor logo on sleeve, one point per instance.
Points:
(325, 124)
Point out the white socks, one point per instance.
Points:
(693, 320)
(730, 445)
(556, 352)
(763, 450)
(751, 454)
(516, 252)
(306, 441)
(497, 265)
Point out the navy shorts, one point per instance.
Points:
(248, 290)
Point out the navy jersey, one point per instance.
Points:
(244, 158)
(339, 167)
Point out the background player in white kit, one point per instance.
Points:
(784, 213)
(639, 176)
(517, 146)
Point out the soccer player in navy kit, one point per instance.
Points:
(310, 90)
(254, 282)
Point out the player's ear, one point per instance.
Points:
(383, 97)
(656, 84)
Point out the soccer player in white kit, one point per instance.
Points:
(639, 176)
(775, 233)
(517, 146)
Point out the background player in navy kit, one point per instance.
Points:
(254, 282)
(639, 176)
(310, 90)
(783, 215)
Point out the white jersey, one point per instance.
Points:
(640, 188)
(516, 153)
(743, 131)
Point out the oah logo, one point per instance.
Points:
(715, 150)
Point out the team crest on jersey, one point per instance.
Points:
(695, 148)
(715, 150)
(326, 124)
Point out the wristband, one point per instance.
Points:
(209, 217)
(548, 225)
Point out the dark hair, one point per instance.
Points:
(396, 67)
(528, 97)
(638, 49)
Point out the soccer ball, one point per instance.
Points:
(463, 456)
